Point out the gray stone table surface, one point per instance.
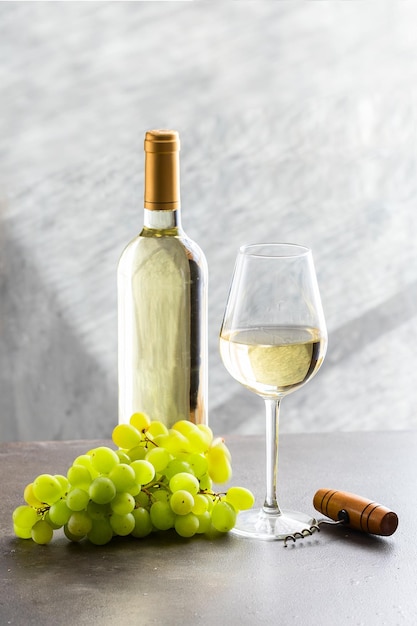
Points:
(337, 576)
(298, 123)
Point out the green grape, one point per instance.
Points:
(174, 442)
(240, 498)
(219, 443)
(162, 516)
(135, 489)
(186, 525)
(142, 500)
(126, 436)
(210, 500)
(159, 458)
(137, 453)
(205, 482)
(208, 433)
(199, 464)
(123, 476)
(25, 516)
(122, 524)
(223, 516)
(79, 524)
(186, 481)
(197, 438)
(47, 488)
(22, 533)
(101, 532)
(123, 503)
(140, 421)
(63, 481)
(219, 467)
(47, 518)
(144, 471)
(42, 532)
(29, 497)
(184, 427)
(200, 504)
(159, 494)
(70, 536)
(143, 524)
(59, 513)
(77, 499)
(123, 457)
(86, 461)
(181, 502)
(176, 466)
(102, 490)
(156, 428)
(98, 511)
(79, 476)
(104, 459)
(204, 522)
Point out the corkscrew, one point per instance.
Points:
(350, 510)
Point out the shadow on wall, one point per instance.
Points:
(44, 369)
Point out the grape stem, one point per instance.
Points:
(215, 496)
(156, 483)
(43, 510)
(147, 440)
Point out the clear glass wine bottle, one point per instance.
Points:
(162, 302)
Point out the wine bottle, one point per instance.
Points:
(162, 302)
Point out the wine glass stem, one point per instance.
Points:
(272, 406)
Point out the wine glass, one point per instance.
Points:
(273, 339)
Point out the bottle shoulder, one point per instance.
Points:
(178, 247)
(174, 239)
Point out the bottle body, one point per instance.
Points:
(162, 323)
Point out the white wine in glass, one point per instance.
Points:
(273, 340)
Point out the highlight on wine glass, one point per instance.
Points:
(273, 340)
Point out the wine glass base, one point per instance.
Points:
(258, 524)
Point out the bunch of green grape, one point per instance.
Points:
(157, 479)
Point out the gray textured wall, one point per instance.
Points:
(298, 123)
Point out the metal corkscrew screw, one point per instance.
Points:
(352, 511)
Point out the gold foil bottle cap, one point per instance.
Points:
(162, 170)
(162, 141)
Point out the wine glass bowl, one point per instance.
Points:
(273, 340)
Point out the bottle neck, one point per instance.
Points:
(154, 220)
(162, 183)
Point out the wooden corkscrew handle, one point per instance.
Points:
(357, 512)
